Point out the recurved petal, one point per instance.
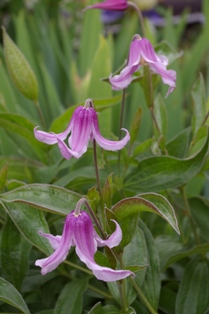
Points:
(66, 152)
(168, 76)
(162, 59)
(122, 80)
(100, 272)
(108, 274)
(50, 263)
(107, 144)
(53, 240)
(113, 240)
(85, 249)
(48, 138)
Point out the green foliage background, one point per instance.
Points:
(69, 54)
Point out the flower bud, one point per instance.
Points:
(19, 69)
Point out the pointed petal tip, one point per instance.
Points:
(110, 275)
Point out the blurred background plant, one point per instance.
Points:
(69, 52)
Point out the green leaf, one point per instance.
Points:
(163, 172)
(200, 210)
(107, 191)
(47, 197)
(18, 125)
(199, 104)
(98, 88)
(14, 254)
(19, 69)
(167, 246)
(70, 298)
(127, 209)
(135, 125)
(196, 54)
(179, 145)
(164, 208)
(167, 300)
(135, 253)
(164, 48)
(193, 292)
(29, 221)
(22, 169)
(88, 44)
(152, 283)
(177, 256)
(10, 295)
(147, 84)
(161, 114)
(108, 309)
(3, 176)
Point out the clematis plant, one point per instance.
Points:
(79, 232)
(116, 5)
(141, 52)
(82, 128)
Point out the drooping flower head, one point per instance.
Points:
(141, 52)
(82, 128)
(115, 5)
(79, 232)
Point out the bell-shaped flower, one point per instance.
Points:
(115, 5)
(79, 232)
(82, 128)
(141, 52)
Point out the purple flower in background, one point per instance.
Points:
(141, 52)
(82, 128)
(79, 232)
(115, 5)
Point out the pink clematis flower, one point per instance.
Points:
(141, 52)
(79, 232)
(115, 5)
(82, 128)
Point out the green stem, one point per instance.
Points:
(78, 267)
(122, 289)
(205, 119)
(189, 215)
(149, 96)
(136, 8)
(154, 120)
(39, 112)
(104, 294)
(142, 297)
(97, 223)
(98, 182)
(121, 124)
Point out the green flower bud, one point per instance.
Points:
(19, 69)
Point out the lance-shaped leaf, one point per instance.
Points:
(127, 209)
(14, 254)
(18, 126)
(163, 172)
(151, 285)
(19, 69)
(71, 296)
(199, 104)
(10, 295)
(29, 220)
(3, 176)
(193, 292)
(135, 125)
(47, 197)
